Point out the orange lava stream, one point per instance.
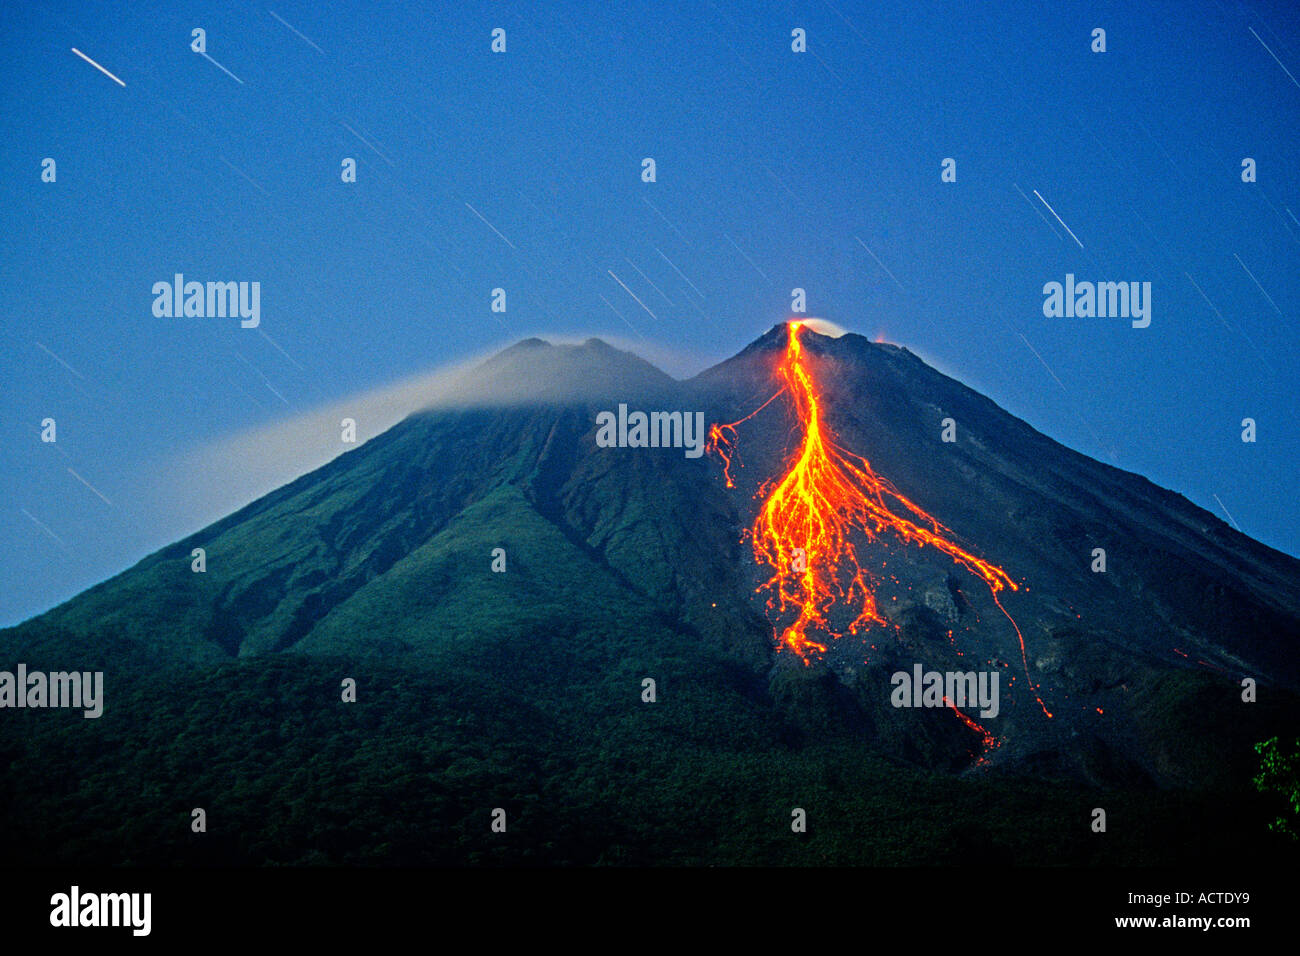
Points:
(802, 530)
(989, 740)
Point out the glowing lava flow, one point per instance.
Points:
(803, 528)
(990, 742)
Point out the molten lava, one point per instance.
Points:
(803, 529)
(989, 741)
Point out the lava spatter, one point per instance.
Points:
(803, 528)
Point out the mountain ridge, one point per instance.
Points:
(501, 589)
(408, 521)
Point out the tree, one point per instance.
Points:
(1279, 772)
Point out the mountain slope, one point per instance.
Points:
(623, 564)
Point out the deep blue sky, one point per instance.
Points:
(788, 157)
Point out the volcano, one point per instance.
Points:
(591, 638)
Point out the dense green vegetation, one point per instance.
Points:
(1279, 773)
(409, 774)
